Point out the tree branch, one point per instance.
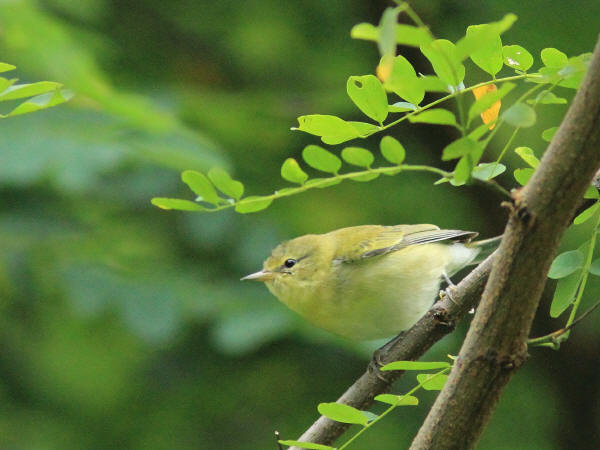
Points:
(496, 344)
(436, 323)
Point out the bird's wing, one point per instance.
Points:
(394, 238)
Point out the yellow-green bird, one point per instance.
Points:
(371, 281)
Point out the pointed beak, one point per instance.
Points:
(263, 275)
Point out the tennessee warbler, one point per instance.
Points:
(370, 281)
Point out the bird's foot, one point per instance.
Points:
(380, 356)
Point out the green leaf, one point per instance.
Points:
(482, 37)
(392, 150)
(365, 177)
(221, 179)
(462, 171)
(528, 156)
(176, 203)
(486, 101)
(5, 83)
(386, 41)
(405, 34)
(591, 192)
(4, 67)
(368, 95)
(432, 83)
(437, 116)
(461, 147)
(397, 400)
(488, 54)
(565, 264)
(517, 57)
(549, 133)
(403, 81)
(523, 175)
(565, 292)
(595, 267)
(252, 204)
(369, 415)
(320, 159)
(429, 383)
(28, 90)
(43, 101)
(342, 413)
(358, 156)
(552, 57)
(323, 182)
(487, 171)
(547, 98)
(442, 55)
(201, 186)
(572, 74)
(402, 107)
(415, 365)
(587, 214)
(520, 115)
(331, 129)
(291, 171)
(306, 445)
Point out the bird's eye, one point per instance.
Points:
(289, 263)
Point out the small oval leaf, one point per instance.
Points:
(436, 116)
(595, 267)
(528, 156)
(552, 57)
(487, 171)
(397, 400)
(342, 413)
(432, 382)
(307, 445)
(523, 175)
(358, 156)
(177, 204)
(587, 214)
(517, 57)
(415, 365)
(201, 186)
(320, 159)
(565, 292)
(252, 204)
(291, 171)
(459, 148)
(228, 186)
(520, 115)
(549, 133)
(392, 150)
(565, 264)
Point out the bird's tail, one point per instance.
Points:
(486, 248)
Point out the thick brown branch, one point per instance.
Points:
(496, 344)
(438, 322)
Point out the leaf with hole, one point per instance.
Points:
(291, 171)
(342, 413)
(368, 95)
(565, 264)
(416, 365)
(392, 150)
(201, 186)
(432, 382)
(565, 292)
(177, 204)
(517, 57)
(520, 115)
(320, 159)
(528, 156)
(223, 182)
(437, 116)
(357, 156)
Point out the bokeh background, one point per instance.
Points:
(125, 326)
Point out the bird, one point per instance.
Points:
(368, 282)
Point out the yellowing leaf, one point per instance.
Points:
(490, 114)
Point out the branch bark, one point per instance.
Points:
(438, 322)
(496, 344)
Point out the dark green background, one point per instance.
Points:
(125, 326)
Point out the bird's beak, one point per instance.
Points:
(263, 275)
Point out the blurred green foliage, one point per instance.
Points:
(124, 326)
